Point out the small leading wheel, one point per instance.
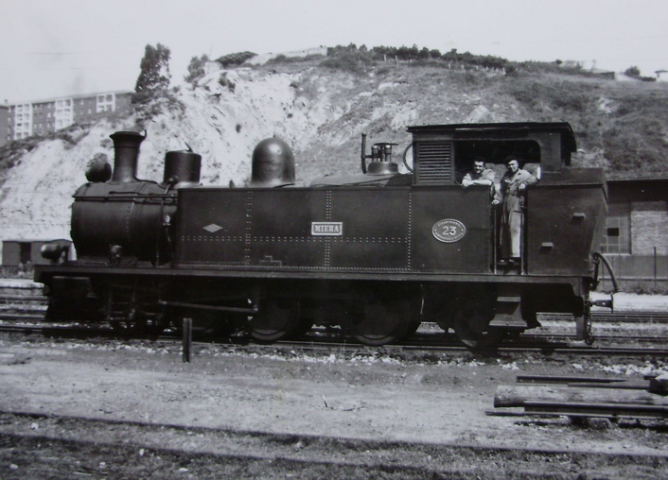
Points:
(277, 319)
(382, 322)
(472, 328)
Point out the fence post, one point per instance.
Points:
(187, 338)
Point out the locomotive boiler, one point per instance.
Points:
(122, 218)
(374, 253)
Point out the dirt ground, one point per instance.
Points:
(440, 399)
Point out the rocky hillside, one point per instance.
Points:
(321, 112)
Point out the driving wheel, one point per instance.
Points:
(277, 319)
(472, 328)
(382, 322)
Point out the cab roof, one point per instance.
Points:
(501, 131)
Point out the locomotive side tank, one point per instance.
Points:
(345, 230)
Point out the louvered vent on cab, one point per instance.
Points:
(434, 163)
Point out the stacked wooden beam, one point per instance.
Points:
(584, 397)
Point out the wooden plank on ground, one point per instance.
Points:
(518, 395)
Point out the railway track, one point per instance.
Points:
(24, 314)
(23, 300)
(618, 316)
(431, 343)
(84, 447)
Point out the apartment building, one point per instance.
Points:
(22, 120)
(4, 122)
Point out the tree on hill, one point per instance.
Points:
(196, 69)
(154, 76)
(634, 72)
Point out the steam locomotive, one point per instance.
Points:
(374, 253)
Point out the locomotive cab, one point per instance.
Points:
(561, 219)
(555, 207)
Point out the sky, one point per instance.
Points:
(54, 48)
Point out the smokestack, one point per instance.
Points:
(126, 148)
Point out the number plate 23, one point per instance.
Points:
(448, 230)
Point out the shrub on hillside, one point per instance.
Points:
(12, 152)
(634, 72)
(223, 81)
(354, 59)
(353, 62)
(235, 58)
(196, 69)
(404, 53)
(283, 59)
(635, 145)
(571, 98)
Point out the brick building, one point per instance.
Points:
(636, 236)
(22, 120)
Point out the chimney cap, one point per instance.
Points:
(126, 134)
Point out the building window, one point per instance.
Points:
(26, 252)
(617, 234)
(63, 114)
(105, 103)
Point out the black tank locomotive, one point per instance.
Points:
(375, 253)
